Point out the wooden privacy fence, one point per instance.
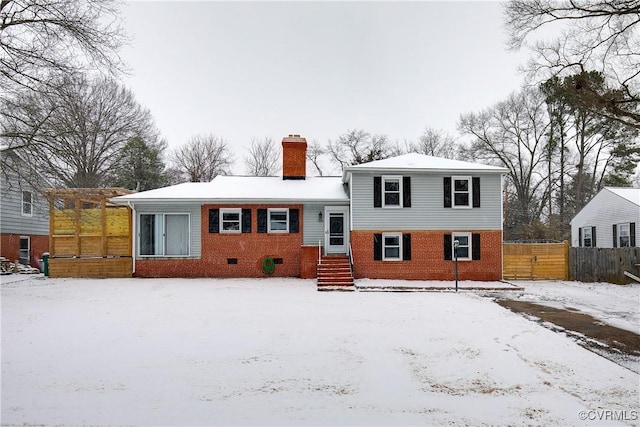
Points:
(88, 236)
(535, 260)
(604, 264)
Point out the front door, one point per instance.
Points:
(25, 249)
(336, 226)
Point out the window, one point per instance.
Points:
(391, 246)
(164, 234)
(278, 220)
(464, 245)
(230, 220)
(587, 237)
(392, 191)
(27, 203)
(461, 191)
(624, 235)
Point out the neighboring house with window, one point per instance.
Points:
(609, 220)
(395, 218)
(24, 214)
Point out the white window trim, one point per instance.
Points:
(453, 192)
(30, 203)
(386, 178)
(453, 239)
(277, 210)
(627, 226)
(230, 210)
(384, 256)
(164, 225)
(584, 232)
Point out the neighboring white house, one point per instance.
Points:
(609, 220)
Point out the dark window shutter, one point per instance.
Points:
(262, 220)
(447, 192)
(632, 234)
(246, 220)
(475, 185)
(377, 247)
(448, 248)
(475, 246)
(593, 237)
(377, 191)
(615, 236)
(294, 220)
(214, 220)
(406, 191)
(406, 247)
(580, 236)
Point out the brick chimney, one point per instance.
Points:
(294, 157)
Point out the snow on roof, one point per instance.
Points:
(245, 189)
(415, 161)
(631, 194)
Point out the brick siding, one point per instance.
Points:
(427, 258)
(10, 247)
(248, 250)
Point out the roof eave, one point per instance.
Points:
(228, 201)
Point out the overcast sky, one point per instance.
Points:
(245, 70)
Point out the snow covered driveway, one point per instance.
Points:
(207, 351)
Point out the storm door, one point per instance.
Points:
(336, 229)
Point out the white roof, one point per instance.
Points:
(422, 162)
(242, 189)
(631, 194)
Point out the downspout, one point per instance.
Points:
(133, 237)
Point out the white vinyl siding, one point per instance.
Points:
(194, 212)
(12, 220)
(427, 211)
(313, 223)
(602, 212)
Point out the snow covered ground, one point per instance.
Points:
(276, 351)
(616, 305)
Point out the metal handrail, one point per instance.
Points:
(350, 258)
(319, 252)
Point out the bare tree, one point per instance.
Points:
(599, 35)
(263, 158)
(75, 131)
(435, 142)
(40, 38)
(513, 134)
(316, 154)
(357, 146)
(203, 158)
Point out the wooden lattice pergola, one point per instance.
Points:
(88, 235)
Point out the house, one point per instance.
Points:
(24, 214)
(609, 220)
(395, 218)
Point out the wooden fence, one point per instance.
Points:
(535, 260)
(88, 236)
(604, 264)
